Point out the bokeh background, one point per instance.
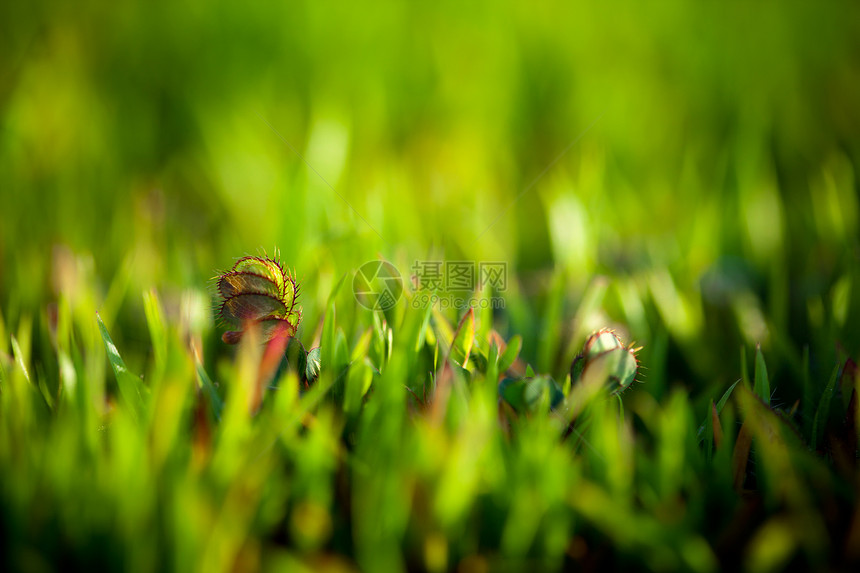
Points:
(722, 145)
(688, 170)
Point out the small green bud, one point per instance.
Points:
(603, 354)
(258, 290)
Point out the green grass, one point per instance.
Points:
(706, 207)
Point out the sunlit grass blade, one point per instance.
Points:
(512, 351)
(422, 332)
(328, 338)
(20, 360)
(550, 332)
(464, 337)
(157, 332)
(329, 330)
(129, 384)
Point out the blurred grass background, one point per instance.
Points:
(139, 134)
(711, 175)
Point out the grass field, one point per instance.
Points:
(685, 175)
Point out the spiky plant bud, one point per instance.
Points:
(258, 291)
(604, 355)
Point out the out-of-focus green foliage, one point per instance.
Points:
(683, 173)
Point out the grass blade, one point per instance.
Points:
(725, 397)
(129, 384)
(465, 336)
(157, 331)
(19, 358)
(215, 401)
(762, 384)
(512, 351)
(717, 427)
